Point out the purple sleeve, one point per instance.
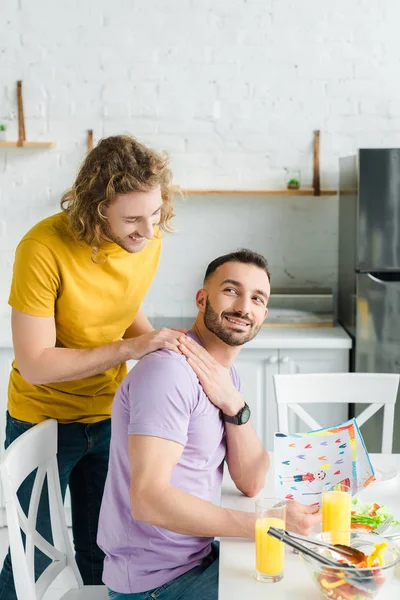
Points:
(162, 394)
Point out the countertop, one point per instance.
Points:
(279, 337)
(301, 338)
(268, 338)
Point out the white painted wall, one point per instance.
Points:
(231, 88)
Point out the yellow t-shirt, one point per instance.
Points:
(93, 303)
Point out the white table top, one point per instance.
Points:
(237, 556)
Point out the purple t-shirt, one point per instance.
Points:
(162, 397)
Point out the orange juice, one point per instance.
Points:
(336, 515)
(269, 551)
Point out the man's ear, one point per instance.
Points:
(201, 298)
(102, 209)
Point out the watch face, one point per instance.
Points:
(245, 416)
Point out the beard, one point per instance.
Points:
(232, 337)
(121, 242)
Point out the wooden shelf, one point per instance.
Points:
(315, 190)
(26, 144)
(21, 142)
(210, 192)
(90, 140)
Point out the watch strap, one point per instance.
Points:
(236, 419)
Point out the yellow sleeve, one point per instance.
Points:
(36, 279)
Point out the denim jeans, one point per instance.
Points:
(82, 455)
(200, 583)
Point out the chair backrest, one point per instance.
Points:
(37, 449)
(377, 389)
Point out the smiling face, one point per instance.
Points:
(320, 475)
(234, 302)
(130, 219)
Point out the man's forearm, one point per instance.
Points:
(65, 364)
(54, 365)
(183, 513)
(247, 459)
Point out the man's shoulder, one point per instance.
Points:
(166, 366)
(160, 381)
(49, 232)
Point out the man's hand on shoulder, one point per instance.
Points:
(157, 339)
(215, 379)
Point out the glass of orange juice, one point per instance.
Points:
(270, 512)
(336, 513)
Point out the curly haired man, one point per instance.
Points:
(79, 279)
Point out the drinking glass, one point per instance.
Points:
(270, 512)
(336, 513)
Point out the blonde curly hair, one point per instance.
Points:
(119, 164)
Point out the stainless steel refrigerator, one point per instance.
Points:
(369, 269)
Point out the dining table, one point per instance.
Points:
(237, 555)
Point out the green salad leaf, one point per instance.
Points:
(361, 513)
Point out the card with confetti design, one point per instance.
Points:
(307, 463)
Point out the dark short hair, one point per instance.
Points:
(244, 256)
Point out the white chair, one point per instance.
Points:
(37, 449)
(377, 389)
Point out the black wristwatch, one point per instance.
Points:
(241, 418)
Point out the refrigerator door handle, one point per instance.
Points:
(382, 278)
(375, 279)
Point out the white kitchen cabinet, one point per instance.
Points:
(274, 351)
(256, 368)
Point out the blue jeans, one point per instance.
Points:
(200, 583)
(82, 455)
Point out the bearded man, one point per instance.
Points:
(176, 419)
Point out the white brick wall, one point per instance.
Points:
(231, 88)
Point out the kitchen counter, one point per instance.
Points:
(302, 338)
(269, 337)
(275, 350)
(278, 337)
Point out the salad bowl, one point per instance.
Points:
(349, 582)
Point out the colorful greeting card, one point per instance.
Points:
(308, 463)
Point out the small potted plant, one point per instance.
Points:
(3, 130)
(293, 184)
